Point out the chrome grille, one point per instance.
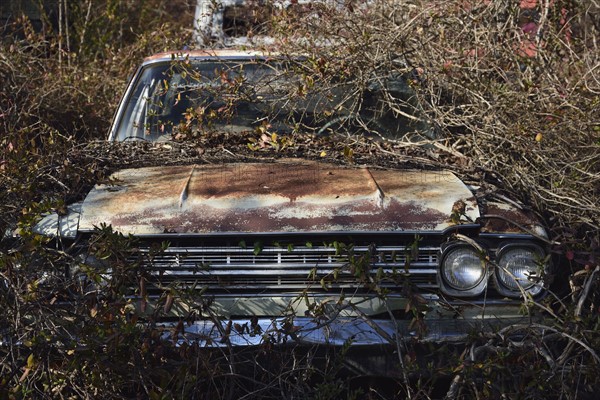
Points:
(293, 269)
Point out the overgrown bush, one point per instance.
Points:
(513, 91)
(515, 108)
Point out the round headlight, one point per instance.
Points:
(463, 268)
(518, 267)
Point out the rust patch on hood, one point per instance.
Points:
(285, 196)
(502, 217)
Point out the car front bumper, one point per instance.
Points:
(435, 326)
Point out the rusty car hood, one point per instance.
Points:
(284, 196)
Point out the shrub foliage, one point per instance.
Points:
(513, 92)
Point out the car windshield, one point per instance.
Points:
(176, 99)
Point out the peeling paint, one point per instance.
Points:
(506, 218)
(285, 196)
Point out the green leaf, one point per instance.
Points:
(323, 284)
(348, 153)
(258, 246)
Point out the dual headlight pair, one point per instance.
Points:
(465, 271)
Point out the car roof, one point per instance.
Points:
(205, 54)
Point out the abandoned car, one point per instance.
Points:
(297, 250)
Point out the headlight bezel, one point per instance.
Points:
(509, 290)
(451, 289)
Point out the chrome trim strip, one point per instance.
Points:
(305, 234)
(512, 236)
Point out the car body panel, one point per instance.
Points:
(284, 196)
(510, 218)
(55, 225)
